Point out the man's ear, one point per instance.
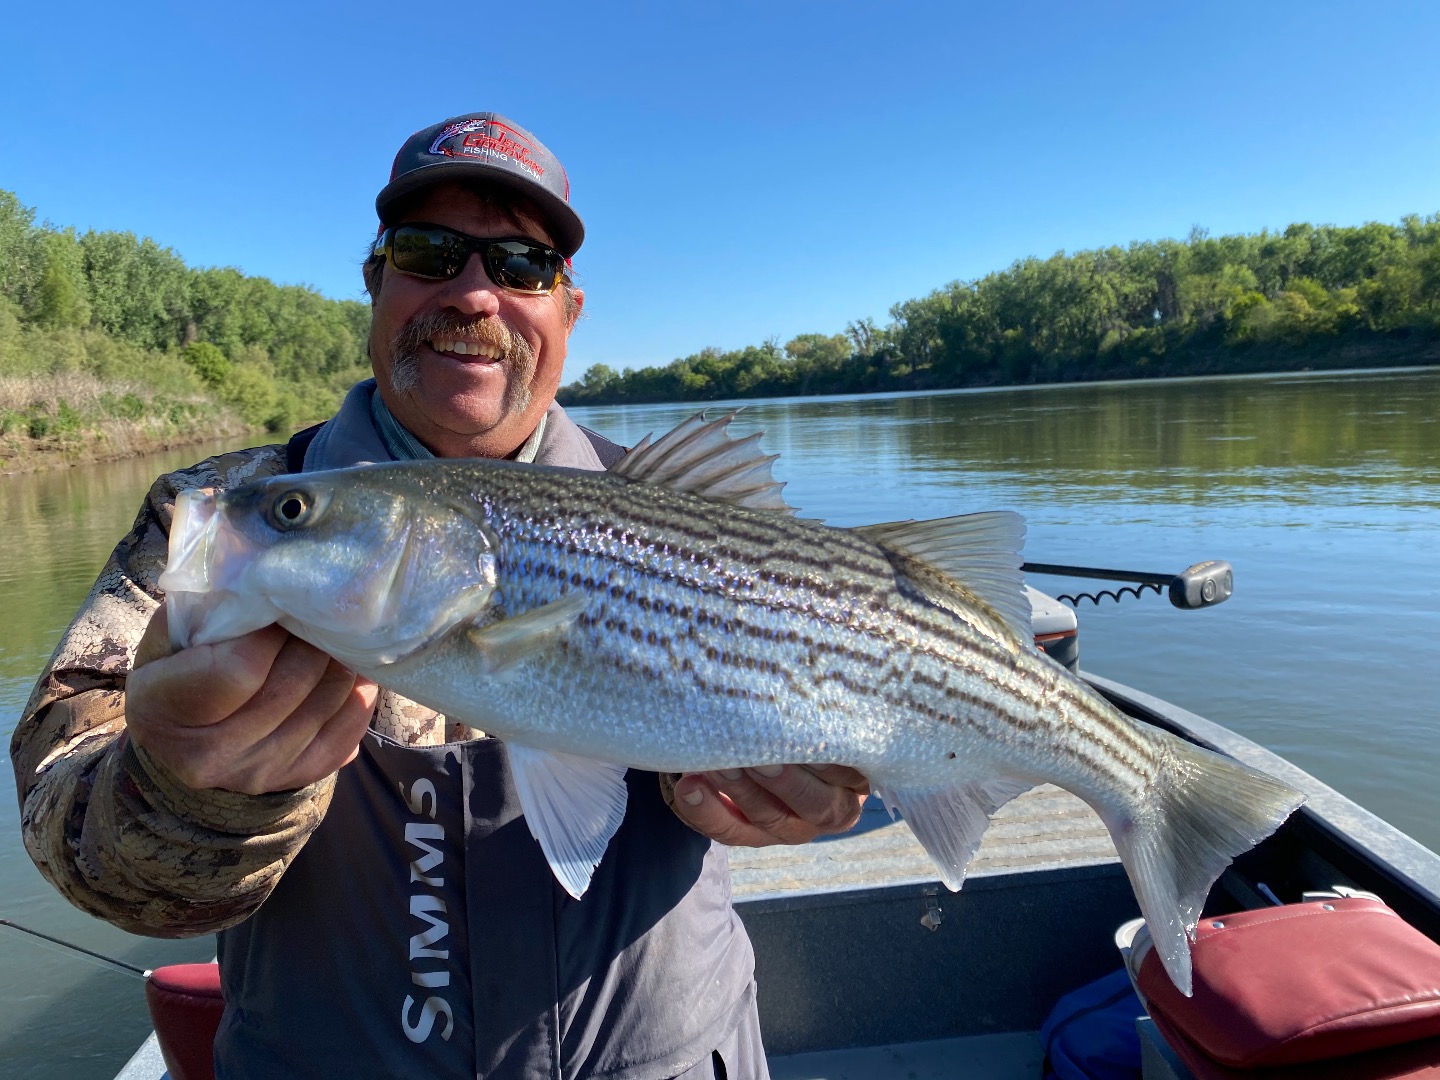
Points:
(578, 296)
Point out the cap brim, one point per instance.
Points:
(568, 231)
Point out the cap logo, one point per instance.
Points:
(503, 144)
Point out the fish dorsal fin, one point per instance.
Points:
(573, 806)
(700, 457)
(963, 564)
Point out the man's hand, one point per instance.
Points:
(259, 713)
(777, 804)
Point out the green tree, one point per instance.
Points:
(59, 299)
(19, 248)
(597, 381)
(139, 291)
(252, 392)
(207, 361)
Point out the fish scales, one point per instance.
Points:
(664, 557)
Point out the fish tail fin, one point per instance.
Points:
(1206, 810)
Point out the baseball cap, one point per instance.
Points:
(485, 148)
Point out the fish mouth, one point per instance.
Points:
(205, 552)
(193, 525)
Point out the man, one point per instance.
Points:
(382, 907)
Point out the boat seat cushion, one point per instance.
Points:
(1300, 984)
(186, 1005)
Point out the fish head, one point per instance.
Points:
(361, 562)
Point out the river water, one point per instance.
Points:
(1323, 491)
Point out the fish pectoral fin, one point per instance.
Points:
(701, 458)
(505, 643)
(950, 821)
(573, 806)
(970, 560)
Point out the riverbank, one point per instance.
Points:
(753, 374)
(76, 419)
(114, 444)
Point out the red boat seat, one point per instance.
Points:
(185, 1006)
(1338, 989)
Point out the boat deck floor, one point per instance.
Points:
(1045, 828)
(888, 993)
(1011, 1056)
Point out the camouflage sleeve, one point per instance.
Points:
(108, 826)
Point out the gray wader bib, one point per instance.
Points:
(421, 933)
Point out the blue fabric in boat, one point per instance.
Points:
(1090, 1033)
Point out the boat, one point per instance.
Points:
(870, 969)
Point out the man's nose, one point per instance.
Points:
(472, 292)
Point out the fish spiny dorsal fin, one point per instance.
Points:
(700, 457)
(967, 565)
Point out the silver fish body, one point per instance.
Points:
(714, 636)
(597, 621)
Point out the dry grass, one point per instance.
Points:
(82, 391)
(68, 417)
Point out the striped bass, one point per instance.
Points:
(672, 615)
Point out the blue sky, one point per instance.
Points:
(746, 170)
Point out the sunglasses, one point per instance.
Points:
(439, 254)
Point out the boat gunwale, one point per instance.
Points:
(1327, 819)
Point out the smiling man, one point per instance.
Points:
(468, 367)
(382, 908)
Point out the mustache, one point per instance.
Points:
(515, 352)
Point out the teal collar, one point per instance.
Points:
(403, 446)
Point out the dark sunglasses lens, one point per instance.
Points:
(524, 267)
(427, 252)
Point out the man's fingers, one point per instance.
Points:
(842, 776)
(299, 673)
(764, 809)
(823, 801)
(317, 739)
(274, 758)
(155, 642)
(771, 817)
(201, 686)
(701, 805)
(261, 712)
(338, 742)
(774, 804)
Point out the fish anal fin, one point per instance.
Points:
(506, 642)
(949, 822)
(969, 565)
(700, 457)
(573, 806)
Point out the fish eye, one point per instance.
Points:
(290, 509)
